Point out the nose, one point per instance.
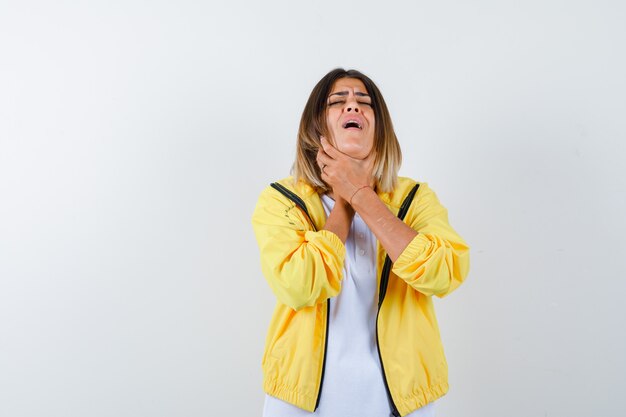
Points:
(351, 104)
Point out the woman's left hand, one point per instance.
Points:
(344, 173)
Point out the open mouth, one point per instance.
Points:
(352, 124)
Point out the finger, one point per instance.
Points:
(323, 174)
(328, 148)
(323, 158)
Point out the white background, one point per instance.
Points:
(135, 137)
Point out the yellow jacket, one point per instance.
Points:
(303, 265)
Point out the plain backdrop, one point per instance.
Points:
(136, 136)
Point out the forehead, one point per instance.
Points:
(347, 84)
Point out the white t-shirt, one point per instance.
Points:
(353, 383)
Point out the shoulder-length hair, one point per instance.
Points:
(313, 126)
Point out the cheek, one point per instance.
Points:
(331, 120)
(332, 125)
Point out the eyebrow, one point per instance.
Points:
(345, 93)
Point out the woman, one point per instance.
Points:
(354, 254)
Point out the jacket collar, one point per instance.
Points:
(312, 199)
(307, 192)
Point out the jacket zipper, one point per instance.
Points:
(319, 393)
(384, 280)
(298, 202)
(383, 289)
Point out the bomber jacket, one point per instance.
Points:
(303, 265)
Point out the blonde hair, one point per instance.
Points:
(313, 126)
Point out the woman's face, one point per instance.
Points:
(350, 118)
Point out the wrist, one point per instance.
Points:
(342, 204)
(357, 191)
(360, 196)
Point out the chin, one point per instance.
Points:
(354, 150)
(357, 154)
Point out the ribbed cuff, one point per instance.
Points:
(329, 240)
(413, 251)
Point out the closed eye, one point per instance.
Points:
(341, 102)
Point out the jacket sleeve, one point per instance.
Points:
(303, 267)
(436, 261)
